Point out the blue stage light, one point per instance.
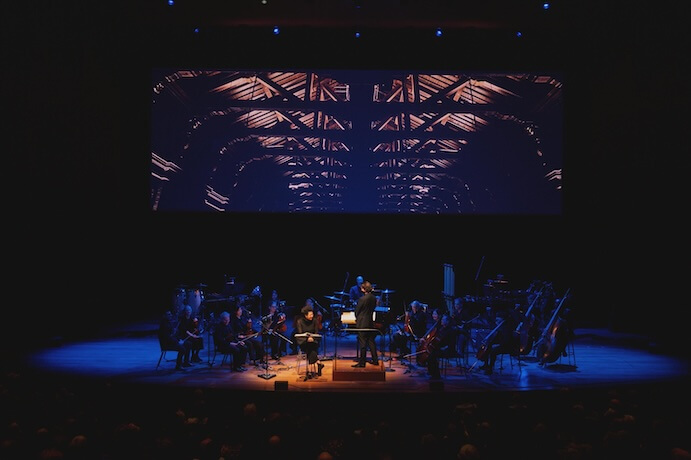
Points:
(545, 6)
(438, 32)
(171, 2)
(357, 34)
(276, 30)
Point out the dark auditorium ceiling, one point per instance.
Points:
(366, 13)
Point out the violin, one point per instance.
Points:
(276, 322)
(281, 325)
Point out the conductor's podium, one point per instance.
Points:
(343, 369)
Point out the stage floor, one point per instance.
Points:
(130, 355)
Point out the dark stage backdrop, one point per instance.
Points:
(91, 251)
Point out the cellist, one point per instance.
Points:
(415, 327)
(443, 343)
(502, 340)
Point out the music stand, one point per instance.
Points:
(323, 357)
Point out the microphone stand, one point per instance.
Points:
(389, 369)
(266, 375)
(345, 286)
(324, 357)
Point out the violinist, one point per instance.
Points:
(242, 328)
(413, 330)
(226, 341)
(189, 334)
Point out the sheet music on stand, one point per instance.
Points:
(308, 334)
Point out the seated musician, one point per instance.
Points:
(306, 324)
(505, 340)
(414, 329)
(462, 316)
(168, 340)
(226, 341)
(242, 328)
(188, 333)
(294, 345)
(442, 344)
(275, 323)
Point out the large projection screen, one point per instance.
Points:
(356, 141)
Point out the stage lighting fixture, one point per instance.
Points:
(519, 34)
(438, 32)
(171, 2)
(357, 34)
(545, 6)
(276, 30)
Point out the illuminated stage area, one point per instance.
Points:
(594, 358)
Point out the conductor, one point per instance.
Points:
(364, 310)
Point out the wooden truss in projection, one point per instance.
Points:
(415, 139)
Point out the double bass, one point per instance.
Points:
(555, 337)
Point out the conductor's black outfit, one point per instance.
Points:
(364, 309)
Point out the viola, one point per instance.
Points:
(318, 319)
(281, 325)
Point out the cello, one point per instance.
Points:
(525, 329)
(487, 342)
(429, 342)
(555, 337)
